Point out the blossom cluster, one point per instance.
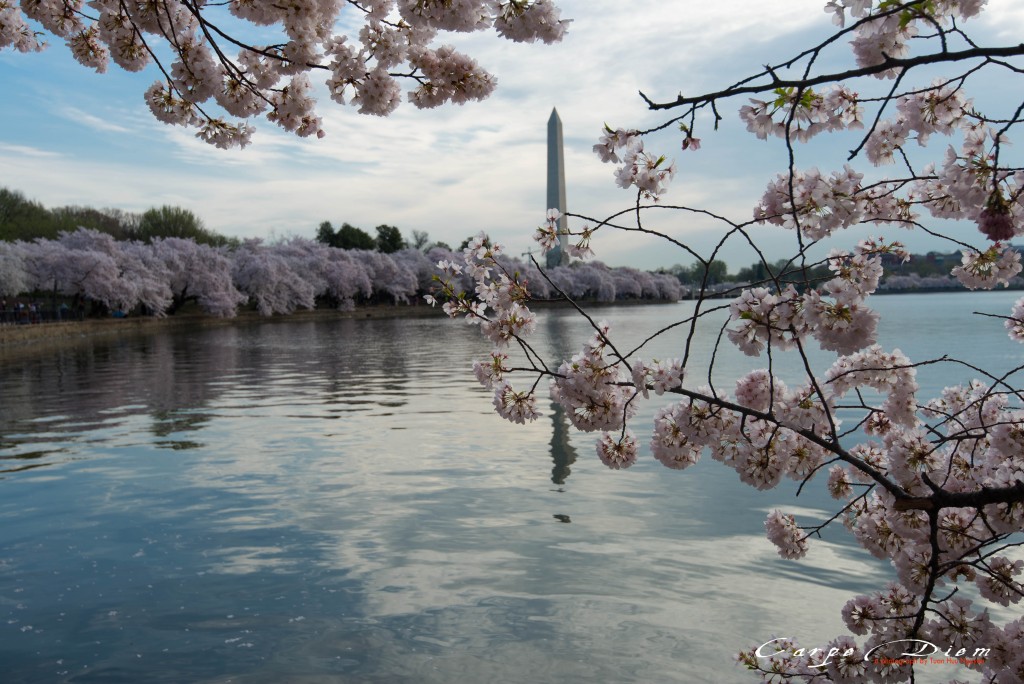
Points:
(802, 114)
(966, 185)
(15, 32)
(750, 439)
(1015, 323)
(973, 441)
(783, 532)
(648, 173)
(985, 270)
(499, 309)
(548, 236)
(593, 388)
(273, 80)
(883, 32)
(524, 21)
(835, 313)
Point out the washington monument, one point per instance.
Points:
(556, 189)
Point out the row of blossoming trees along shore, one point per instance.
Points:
(160, 276)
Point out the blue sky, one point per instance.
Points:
(72, 137)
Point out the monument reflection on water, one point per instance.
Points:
(562, 451)
(335, 500)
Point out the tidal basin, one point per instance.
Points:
(327, 500)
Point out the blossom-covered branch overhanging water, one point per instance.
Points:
(934, 485)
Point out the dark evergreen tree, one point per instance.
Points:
(326, 234)
(23, 219)
(168, 221)
(389, 239)
(350, 237)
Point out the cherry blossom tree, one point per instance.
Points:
(13, 277)
(388, 279)
(105, 273)
(89, 265)
(271, 280)
(935, 485)
(198, 273)
(347, 278)
(417, 263)
(222, 64)
(602, 284)
(141, 265)
(77, 266)
(328, 272)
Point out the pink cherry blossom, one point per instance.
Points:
(784, 533)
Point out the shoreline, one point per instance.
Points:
(32, 338)
(40, 337)
(37, 338)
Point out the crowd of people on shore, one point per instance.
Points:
(20, 312)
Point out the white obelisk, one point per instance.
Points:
(556, 189)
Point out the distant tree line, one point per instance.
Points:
(716, 272)
(389, 239)
(920, 271)
(24, 219)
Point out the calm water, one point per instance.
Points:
(334, 501)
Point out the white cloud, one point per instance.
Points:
(1005, 18)
(95, 122)
(25, 151)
